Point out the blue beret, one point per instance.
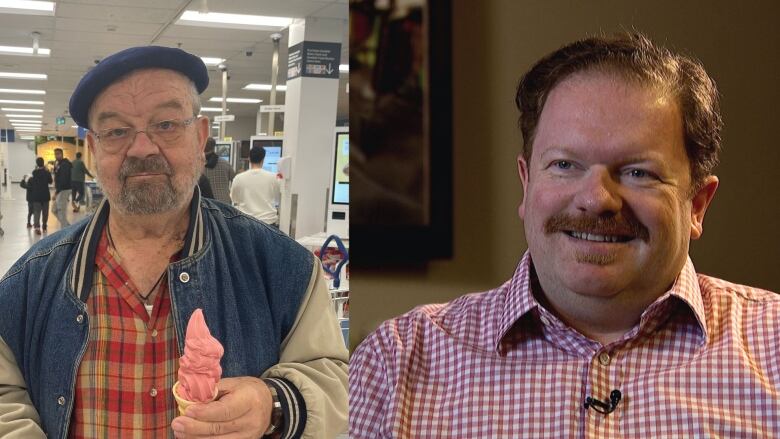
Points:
(119, 64)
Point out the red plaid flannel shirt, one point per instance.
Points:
(704, 361)
(123, 387)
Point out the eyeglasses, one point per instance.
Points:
(163, 134)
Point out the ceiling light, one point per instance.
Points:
(234, 21)
(22, 91)
(212, 61)
(23, 110)
(27, 137)
(30, 116)
(16, 101)
(23, 75)
(26, 7)
(212, 109)
(343, 68)
(237, 100)
(24, 122)
(264, 87)
(16, 50)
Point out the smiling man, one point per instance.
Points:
(94, 316)
(605, 329)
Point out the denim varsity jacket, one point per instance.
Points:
(263, 295)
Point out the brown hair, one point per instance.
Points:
(635, 57)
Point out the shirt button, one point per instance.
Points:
(61, 400)
(154, 333)
(184, 277)
(545, 320)
(604, 359)
(79, 318)
(153, 392)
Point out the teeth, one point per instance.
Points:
(593, 237)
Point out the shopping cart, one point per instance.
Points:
(93, 195)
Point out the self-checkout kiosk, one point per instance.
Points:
(338, 201)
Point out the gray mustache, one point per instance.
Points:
(134, 165)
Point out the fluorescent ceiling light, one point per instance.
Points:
(237, 100)
(343, 68)
(30, 116)
(26, 7)
(22, 91)
(27, 137)
(233, 21)
(16, 50)
(212, 61)
(16, 101)
(24, 122)
(212, 109)
(23, 110)
(264, 87)
(23, 75)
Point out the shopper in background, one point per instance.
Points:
(38, 187)
(605, 329)
(62, 187)
(205, 187)
(219, 172)
(28, 196)
(256, 191)
(94, 317)
(77, 177)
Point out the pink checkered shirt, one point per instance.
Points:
(703, 362)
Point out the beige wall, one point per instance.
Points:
(495, 41)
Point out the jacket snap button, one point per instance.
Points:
(79, 318)
(184, 277)
(61, 400)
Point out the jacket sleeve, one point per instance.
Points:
(311, 377)
(18, 417)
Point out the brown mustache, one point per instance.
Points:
(152, 165)
(625, 226)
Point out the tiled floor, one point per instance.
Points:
(18, 238)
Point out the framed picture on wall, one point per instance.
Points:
(400, 132)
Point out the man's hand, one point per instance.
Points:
(242, 410)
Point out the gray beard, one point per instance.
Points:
(147, 198)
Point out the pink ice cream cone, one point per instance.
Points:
(199, 369)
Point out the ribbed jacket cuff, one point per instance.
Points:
(293, 407)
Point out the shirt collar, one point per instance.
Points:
(84, 261)
(520, 300)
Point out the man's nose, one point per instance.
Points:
(142, 146)
(599, 193)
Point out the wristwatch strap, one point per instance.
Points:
(277, 420)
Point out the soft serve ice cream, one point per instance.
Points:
(199, 369)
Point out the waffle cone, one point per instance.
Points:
(184, 403)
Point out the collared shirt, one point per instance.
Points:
(704, 361)
(124, 382)
(220, 176)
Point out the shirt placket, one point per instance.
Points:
(603, 378)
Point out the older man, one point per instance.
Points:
(94, 317)
(605, 329)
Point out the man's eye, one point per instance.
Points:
(562, 164)
(639, 173)
(166, 125)
(115, 133)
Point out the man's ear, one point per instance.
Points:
(91, 142)
(203, 132)
(699, 203)
(522, 171)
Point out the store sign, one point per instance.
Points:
(272, 108)
(314, 59)
(225, 118)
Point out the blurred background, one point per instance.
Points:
(494, 42)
